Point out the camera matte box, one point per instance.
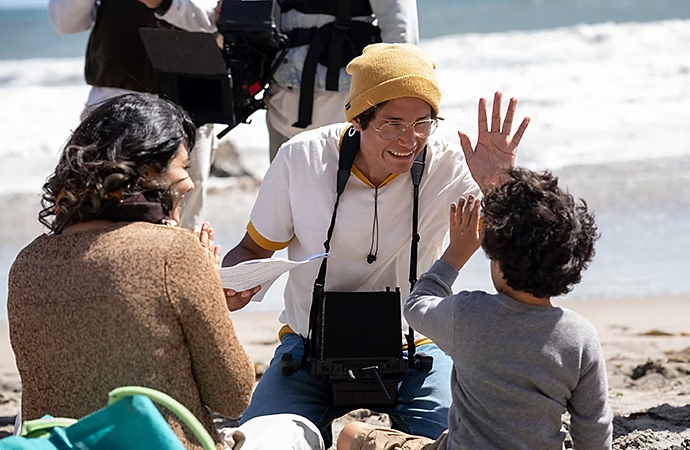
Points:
(191, 73)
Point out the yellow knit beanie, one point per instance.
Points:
(389, 71)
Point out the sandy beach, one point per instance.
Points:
(646, 340)
(646, 343)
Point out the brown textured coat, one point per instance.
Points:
(128, 304)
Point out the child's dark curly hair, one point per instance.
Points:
(540, 236)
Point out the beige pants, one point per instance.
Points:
(378, 438)
(282, 109)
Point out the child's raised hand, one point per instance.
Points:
(464, 231)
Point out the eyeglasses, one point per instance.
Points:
(393, 130)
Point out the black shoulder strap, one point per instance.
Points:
(417, 171)
(348, 150)
(334, 42)
(333, 45)
(343, 23)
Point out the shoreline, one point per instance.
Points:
(646, 343)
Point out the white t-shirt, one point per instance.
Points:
(295, 203)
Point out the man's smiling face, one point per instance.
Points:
(379, 158)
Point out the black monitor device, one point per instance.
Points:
(358, 345)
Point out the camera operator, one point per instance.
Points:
(394, 106)
(117, 63)
(300, 96)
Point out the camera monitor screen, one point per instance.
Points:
(247, 16)
(361, 325)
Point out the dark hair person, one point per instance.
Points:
(543, 360)
(541, 237)
(114, 295)
(118, 155)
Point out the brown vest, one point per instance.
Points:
(115, 54)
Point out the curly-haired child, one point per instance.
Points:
(519, 361)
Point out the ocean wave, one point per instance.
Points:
(596, 94)
(50, 72)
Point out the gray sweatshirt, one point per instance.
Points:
(517, 368)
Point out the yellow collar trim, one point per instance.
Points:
(366, 181)
(358, 173)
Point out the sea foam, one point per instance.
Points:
(596, 94)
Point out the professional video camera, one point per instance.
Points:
(219, 79)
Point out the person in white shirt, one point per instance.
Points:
(393, 106)
(116, 62)
(304, 22)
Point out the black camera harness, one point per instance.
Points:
(348, 151)
(333, 45)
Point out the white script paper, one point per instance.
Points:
(259, 272)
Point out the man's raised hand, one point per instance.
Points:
(496, 149)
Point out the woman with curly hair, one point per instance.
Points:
(116, 294)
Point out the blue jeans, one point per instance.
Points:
(423, 398)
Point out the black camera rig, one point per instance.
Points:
(219, 78)
(357, 345)
(355, 337)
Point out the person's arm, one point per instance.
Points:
(188, 15)
(430, 308)
(398, 20)
(223, 371)
(71, 16)
(496, 149)
(246, 250)
(591, 418)
(270, 228)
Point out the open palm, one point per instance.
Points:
(496, 149)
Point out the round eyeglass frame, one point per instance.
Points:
(407, 125)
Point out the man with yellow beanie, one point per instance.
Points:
(393, 110)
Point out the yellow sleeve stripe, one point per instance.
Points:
(283, 331)
(262, 241)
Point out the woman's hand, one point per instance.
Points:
(216, 11)
(465, 237)
(238, 300)
(495, 150)
(206, 234)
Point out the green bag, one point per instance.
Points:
(130, 421)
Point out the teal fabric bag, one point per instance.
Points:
(130, 421)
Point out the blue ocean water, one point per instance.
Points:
(606, 82)
(26, 33)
